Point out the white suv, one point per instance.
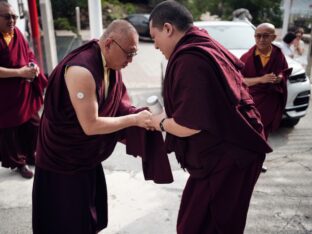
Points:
(238, 37)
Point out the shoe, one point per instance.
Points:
(25, 172)
(264, 169)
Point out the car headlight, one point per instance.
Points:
(297, 78)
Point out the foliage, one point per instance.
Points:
(153, 3)
(261, 10)
(64, 13)
(65, 18)
(197, 7)
(299, 21)
(113, 9)
(62, 23)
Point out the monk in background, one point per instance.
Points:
(212, 124)
(21, 95)
(86, 111)
(263, 73)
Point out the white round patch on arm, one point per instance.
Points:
(80, 95)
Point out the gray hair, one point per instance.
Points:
(118, 28)
(268, 26)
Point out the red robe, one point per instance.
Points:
(69, 161)
(270, 99)
(20, 99)
(19, 105)
(204, 89)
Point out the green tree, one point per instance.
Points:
(65, 18)
(64, 13)
(114, 9)
(261, 10)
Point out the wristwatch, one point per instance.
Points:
(161, 125)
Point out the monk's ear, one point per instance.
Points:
(108, 42)
(168, 28)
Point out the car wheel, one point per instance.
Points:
(290, 122)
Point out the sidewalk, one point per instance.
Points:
(281, 203)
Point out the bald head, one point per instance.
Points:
(119, 29)
(265, 35)
(270, 28)
(119, 43)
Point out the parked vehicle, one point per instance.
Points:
(140, 22)
(238, 38)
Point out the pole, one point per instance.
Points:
(49, 35)
(95, 18)
(35, 31)
(309, 57)
(287, 7)
(79, 37)
(77, 9)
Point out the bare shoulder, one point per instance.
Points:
(78, 76)
(79, 81)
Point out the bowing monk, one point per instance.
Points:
(212, 124)
(263, 72)
(87, 110)
(21, 95)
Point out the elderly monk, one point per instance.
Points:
(21, 95)
(264, 74)
(87, 110)
(212, 124)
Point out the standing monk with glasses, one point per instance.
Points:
(264, 73)
(21, 95)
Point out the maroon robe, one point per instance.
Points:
(203, 89)
(22, 98)
(19, 105)
(66, 156)
(270, 99)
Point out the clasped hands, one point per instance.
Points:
(147, 120)
(272, 78)
(29, 72)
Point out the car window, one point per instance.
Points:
(138, 19)
(232, 37)
(134, 19)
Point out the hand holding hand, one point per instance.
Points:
(155, 120)
(143, 119)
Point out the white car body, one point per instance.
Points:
(238, 38)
